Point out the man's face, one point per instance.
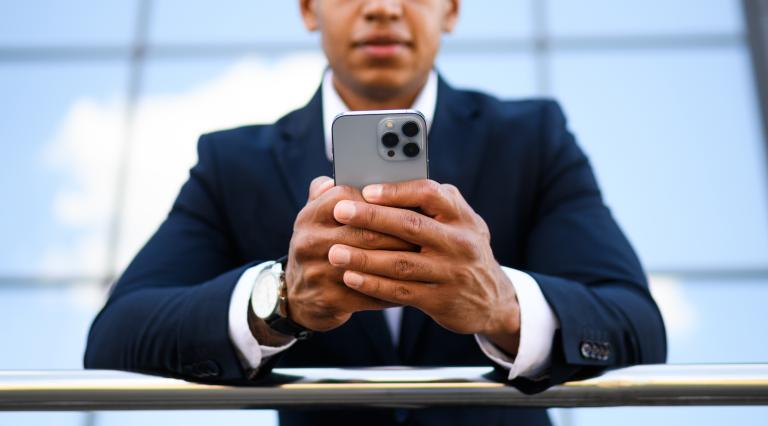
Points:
(380, 47)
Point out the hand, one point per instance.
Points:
(454, 278)
(317, 297)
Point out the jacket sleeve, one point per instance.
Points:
(586, 269)
(168, 312)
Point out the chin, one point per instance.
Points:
(385, 81)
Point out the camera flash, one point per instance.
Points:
(389, 124)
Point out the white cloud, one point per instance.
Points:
(680, 315)
(163, 141)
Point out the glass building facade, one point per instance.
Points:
(101, 104)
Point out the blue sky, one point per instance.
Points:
(673, 134)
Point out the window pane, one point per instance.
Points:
(53, 316)
(700, 416)
(675, 139)
(189, 418)
(61, 127)
(182, 100)
(227, 21)
(502, 74)
(42, 419)
(503, 19)
(55, 22)
(648, 17)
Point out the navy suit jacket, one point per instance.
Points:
(515, 163)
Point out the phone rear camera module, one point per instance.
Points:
(410, 129)
(411, 150)
(390, 140)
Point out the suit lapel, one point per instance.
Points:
(455, 147)
(455, 154)
(300, 152)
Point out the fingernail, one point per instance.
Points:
(373, 192)
(340, 255)
(353, 279)
(344, 210)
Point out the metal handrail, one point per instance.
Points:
(670, 385)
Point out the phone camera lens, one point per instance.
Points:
(390, 140)
(410, 129)
(391, 153)
(411, 149)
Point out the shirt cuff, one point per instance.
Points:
(537, 330)
(251, 353)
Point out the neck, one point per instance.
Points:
(366, 98)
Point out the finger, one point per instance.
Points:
(429, 196)
(354, 301)
(318, 186)
(325, 203)
(398, 292)
(367, 239)
(408, 225)
(403, 266)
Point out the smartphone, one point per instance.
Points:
(379, 147)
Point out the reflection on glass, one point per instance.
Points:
(61, 127)
(645, 18)
(678, 151)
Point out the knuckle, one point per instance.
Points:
(322, 306)
(340, 192)
(361, 259)
(301, 218)
(485, 232)
(339, 316)
(401, 293)
(432, 189)
(313, 274)
(371, 214)
(374, 284)
(347, 192)
(316, 182)
(306, 245)
(451, 189)
(309, 241)
(403, 268)
(412, 224)
(390, 192)
(465, 245)
(367, 236)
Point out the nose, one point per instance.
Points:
(383, 10)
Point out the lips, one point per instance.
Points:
(382, 45)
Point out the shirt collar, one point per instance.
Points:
(333, 105)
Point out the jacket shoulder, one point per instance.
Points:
(523, 111)
(252, 136)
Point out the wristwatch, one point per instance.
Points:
(269, 301)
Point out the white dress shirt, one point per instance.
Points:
(537, 320)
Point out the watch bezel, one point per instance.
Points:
(270, 276)
(279, 320)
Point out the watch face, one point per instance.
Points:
(265, 295)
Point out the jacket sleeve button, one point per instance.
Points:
(586, 350)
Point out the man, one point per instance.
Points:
(416, 273)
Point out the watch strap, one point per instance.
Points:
(285, 325)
